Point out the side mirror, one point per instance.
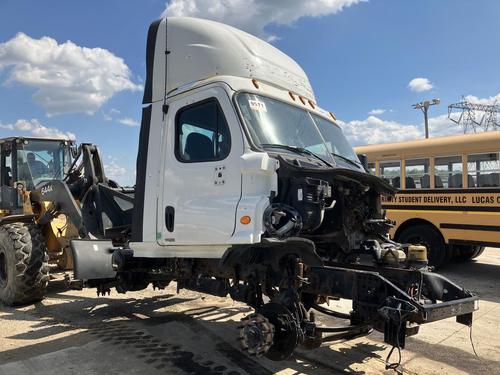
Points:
(364, 161)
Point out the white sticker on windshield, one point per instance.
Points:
(255, 105)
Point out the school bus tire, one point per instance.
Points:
(479, 250)
(437, 252)
(466, 253)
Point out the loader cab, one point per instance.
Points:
(26, 162)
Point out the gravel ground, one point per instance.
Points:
(153, 332)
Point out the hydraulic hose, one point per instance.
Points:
(335, 314)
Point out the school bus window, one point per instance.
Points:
(417, 174)
(391, 172)
(371, 168)
(448, 172)
(484, 169)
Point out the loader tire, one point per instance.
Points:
(24, 269)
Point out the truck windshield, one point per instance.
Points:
(273, 122)
(335, 140)
(39, 160)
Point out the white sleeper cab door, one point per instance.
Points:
(202, 170)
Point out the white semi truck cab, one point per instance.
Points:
(247, 188)
(234, 146)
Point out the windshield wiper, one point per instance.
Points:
(297, 150)
(347, 159)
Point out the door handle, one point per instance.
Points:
(169, 218)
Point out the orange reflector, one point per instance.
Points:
(255, 83)
(245, 220)
(302, 100)
(311, 103)
(292, 95)
(333, 116)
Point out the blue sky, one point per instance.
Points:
(360, 56)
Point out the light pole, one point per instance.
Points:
(424, 106)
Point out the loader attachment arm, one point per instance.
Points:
(96, 206)
(58, 193)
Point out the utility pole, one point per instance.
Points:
(424, 107)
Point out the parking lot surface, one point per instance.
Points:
(162, 332)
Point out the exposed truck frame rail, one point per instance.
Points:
(283, 285)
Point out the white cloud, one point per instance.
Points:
(420, 84)
(117, 172)
(67, 77)
(6, 126)
(441, 126)
(376, 112)
(114, 171)
(374, 130)
(488, 101)
(108, 116)
(254, 15)
(129, 121)
(36, 129)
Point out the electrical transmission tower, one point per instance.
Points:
(482, 117)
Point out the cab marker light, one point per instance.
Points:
(311, 103)
(255, 83)
(302, 100)
(333, 116)
(245, 220)
(292, 95)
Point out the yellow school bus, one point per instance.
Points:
(448, 192)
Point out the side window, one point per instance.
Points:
(417, 174)
(201, 133)
(448, 172)
(484, 169)
(391, 172)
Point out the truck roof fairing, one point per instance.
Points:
(201, 49)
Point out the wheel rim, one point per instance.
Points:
(3, 270)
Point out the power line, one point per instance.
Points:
(475, 116)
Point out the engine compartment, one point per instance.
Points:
(339, 210)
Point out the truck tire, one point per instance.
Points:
(24, 270)
(437, 252)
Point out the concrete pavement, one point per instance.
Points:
(75, 332)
